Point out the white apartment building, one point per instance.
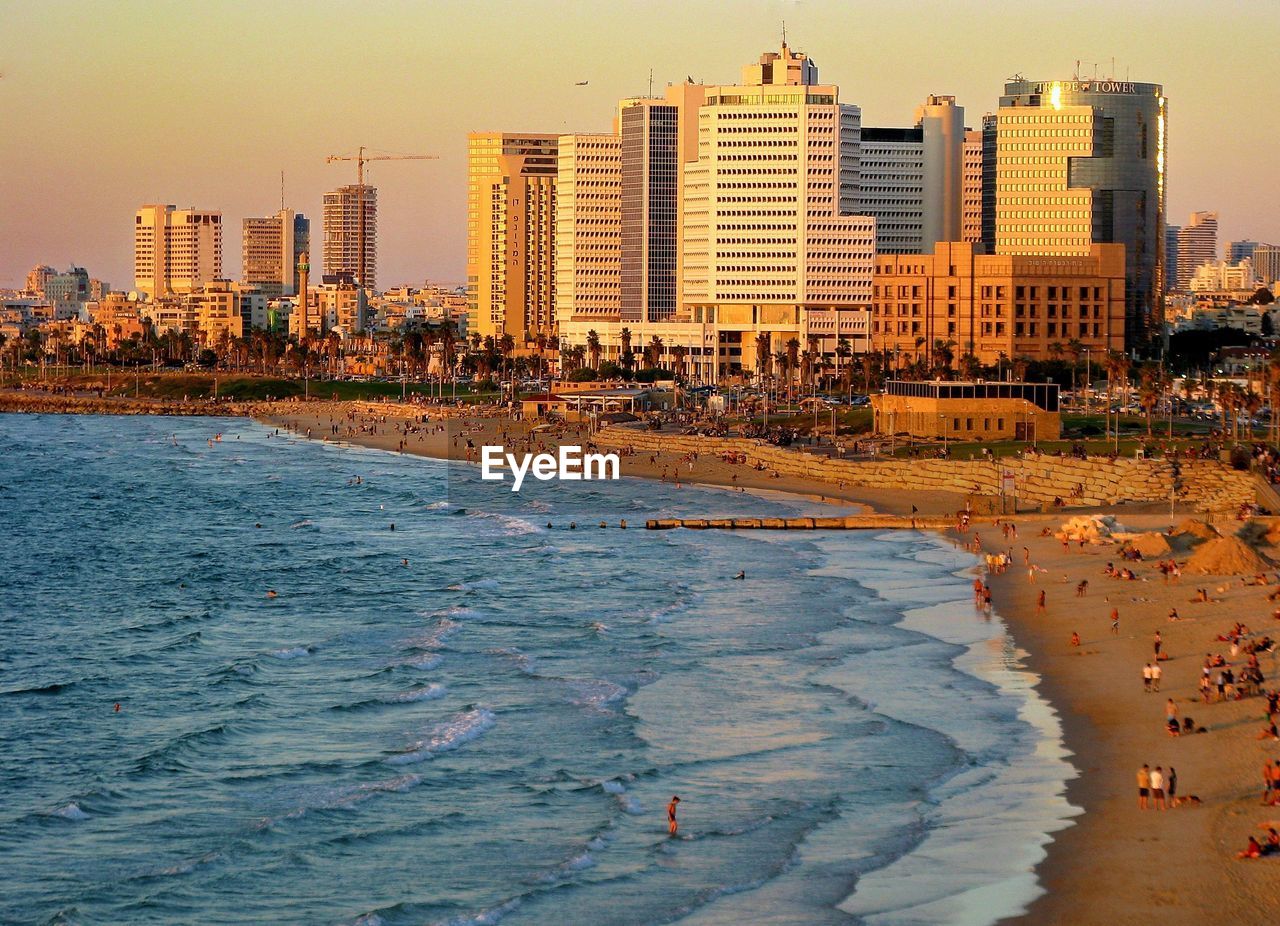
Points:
(588, 221)
(971, 195)
(1197, 244)
(175, 250)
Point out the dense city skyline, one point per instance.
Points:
(217, 133)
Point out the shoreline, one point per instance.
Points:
(1112, 865)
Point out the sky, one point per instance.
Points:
(105, 106)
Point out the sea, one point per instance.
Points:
(231, 692)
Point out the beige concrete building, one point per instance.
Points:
(511, 200)
(971, 195)
(271, 246)
(968, 411)
(997, 306)
(175, 250)
(769, 234)
(588, 222)
(350, 214)
(216, 309)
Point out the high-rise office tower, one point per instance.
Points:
(511, 192)
(651, 188)
(1266, 263)
(1197, 244)
(912, 180)
(770, 242)
(175, 250)
(990, 134)
(350, 215)
(891, 186)
(1171, 257)
(271, 246)
(1082, 162)
(588, 218)
(1239, 250)
(971, 197)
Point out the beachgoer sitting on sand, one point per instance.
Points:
(1269, 732)
(1173, 727)
(1109, 571)
(1173, 614)
(1075, 639)
(1252, 850)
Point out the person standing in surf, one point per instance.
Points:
(672, 825)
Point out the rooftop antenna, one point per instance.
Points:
(650, 82)
(1075, 75)
(282, 191)
(784, 33)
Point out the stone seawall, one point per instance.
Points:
(46, 403)
(1097, 481)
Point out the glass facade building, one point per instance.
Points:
(650, 211)
(1082, 162)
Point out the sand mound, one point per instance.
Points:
(1151, 546)
(1226, 556)
(1196, 528)
(1090, 529)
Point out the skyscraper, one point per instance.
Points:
(651, 173)
(1197, 244)
(912, 180)
(1082, 162)
(1171, 257)
(771, 245)
(511, 191)
(271, 246)
(175, 250)
(1266, 263)
(1239, 250)
(345, 210)
(588, 217)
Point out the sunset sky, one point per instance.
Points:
(108, 105)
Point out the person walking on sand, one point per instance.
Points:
(1170, 710)
(1268, 782)
(1115, 621)
(1156, 645)
(672, 826)
(1146, 678)
(1156, 672)
(1144, 785)
(1040, 603)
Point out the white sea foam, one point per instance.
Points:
(305, 522)
(489, 917)
(427, 693)
(447, 736)
(71, 811)
(295, 652)
(511, 526)
(437, 506)
(426, 663)
(614, 787)
(596, 693)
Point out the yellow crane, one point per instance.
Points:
(361, 159)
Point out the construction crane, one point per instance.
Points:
(361, 159)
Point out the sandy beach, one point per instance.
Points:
(1118, 864)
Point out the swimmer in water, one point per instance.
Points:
(672, 826)
(117, 707)
(741, 575)
(404, 562)
(271, 593)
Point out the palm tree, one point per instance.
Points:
(653, 352)
(627, 358)
(764, 358)
(1117, 372)
(1151, 389)
(943, 355)
(593, 347)
(678, 353)
(843, 353)
(506, 347)
(970, 366)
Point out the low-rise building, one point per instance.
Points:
(968, 411)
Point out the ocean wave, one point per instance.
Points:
(434, 636)
(305, 522)
(523, 661)
(490, 917)
(596, 693)
(294, 652)
(437, 506)
(511, 526)
(473, 586)
(342, 797)
(580, 862)
(427, 693)
(71, 811)
(447, 736)
(426, 663)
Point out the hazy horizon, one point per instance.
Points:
(110, 106)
